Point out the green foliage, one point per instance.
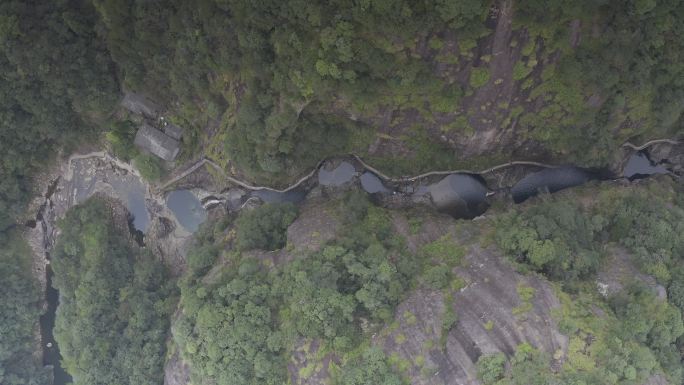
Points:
(490, 368)
(251, 316)
(554, 237)
(520, 71)
(115, 301)
(21, 307)
(201, 258)
(265, 227)
(637, 335)
(439, 258)
(526, 294)
(444, 249)
(635, 338)
(529, 366)
(479, 76)
(449, 319)
(49, 98)
(370, 368)
(652, 230)
(232, 336)
(207, 243)
(151, 167)
(286, 66)
(437, 277)
(120, 137)
(628, 75)
(675, 290)
(651, 322)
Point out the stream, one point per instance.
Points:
(51, 354)
(461, 195)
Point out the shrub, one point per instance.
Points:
(371, 368)
(437, 277)
(520, 71)
(490, 368)
(265, 227)
(151, 168)
(479, 77)
(120, 138)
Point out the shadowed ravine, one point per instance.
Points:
(460, 193)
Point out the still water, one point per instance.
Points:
(551, 180)
(338, 176)
(640, 166)
(460, 195)
(187, 209)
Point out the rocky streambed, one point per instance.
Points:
(162, 222)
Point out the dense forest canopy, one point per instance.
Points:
(58, 83)
(280, 84)
(267, 89)
(568, 241)
(246, 311)
(281, 77)
(20, 302)
(238, 324)
(115, 301)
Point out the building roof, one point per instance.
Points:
(158, 143)
(141, 105)
(173, 131)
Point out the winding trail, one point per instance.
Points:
(432, 173)
(207, 161)
(650, 143)
(238, 182)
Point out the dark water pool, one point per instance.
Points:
(640, 166)
(551, 180)
(187, 209)
(460, 195)
(372, 184)
(131, 191)
(338, 176)
(136, 206)
(51, 355)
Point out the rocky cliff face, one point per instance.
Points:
(488, 322)
(491, 316)
(489, 311)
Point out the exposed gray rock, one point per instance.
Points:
(176, 372)
(315, 225)
(618, 271)
(486, 322)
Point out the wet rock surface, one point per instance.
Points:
(670, 156)
(83, 176)
(487, 322)
(176, 371)
(487, 308)
(315, 225)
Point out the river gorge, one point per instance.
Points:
(164, 218)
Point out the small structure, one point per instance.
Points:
(173, 131)
(156, 142)
(141, 105)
